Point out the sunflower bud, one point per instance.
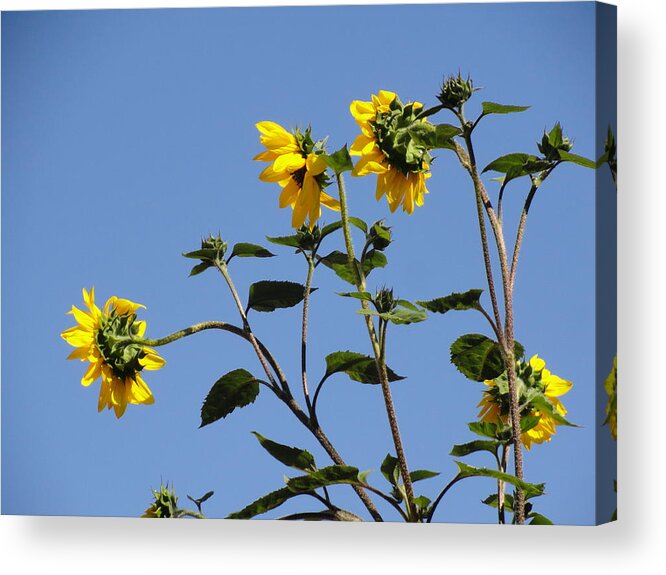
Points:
(307, 238)
(455, 91)
(380, 235)
(164, 506)
(212, 250)
(554, 141)
(384, 301)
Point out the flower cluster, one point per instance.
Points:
(387, 148)
(538, 391)
(297, 165)
(107, 340)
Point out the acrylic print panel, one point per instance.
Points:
(133, 137)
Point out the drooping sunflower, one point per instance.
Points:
(402, 166)
(297, 165)
(536, 384)
(104, 339)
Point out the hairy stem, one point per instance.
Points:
(483, 202)
(379, 353)
(504, 461)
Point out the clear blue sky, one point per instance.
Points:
(127, 135)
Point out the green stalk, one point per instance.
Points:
(377, 349)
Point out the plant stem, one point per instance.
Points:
(379, 353)
(304, 334)
(508, 344)
(442, 493)
(500, 485)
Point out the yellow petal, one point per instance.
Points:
(289, 193)
(270, 128)
(362, 111)
(270, 175)
(78, 336)
(363, 144)
(92, 373)
(329, 202)
(385, 97)
(104, 395)
(556, 386)
(267, 156)
(536, 363)
(315, 164)
(289, 162)
(300, 212)
(81, 353)
(141, 328)
(139, 393)
(152, 360)
(367, 165)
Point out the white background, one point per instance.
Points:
(635, 542)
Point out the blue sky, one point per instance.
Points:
(127, 135)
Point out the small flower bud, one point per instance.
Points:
(380, 235)
(455, 91)
(384, 301)
(164, 505)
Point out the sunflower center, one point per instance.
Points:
(299, 175)
(112, 341)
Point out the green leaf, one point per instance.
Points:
(576, 159)
(357, 295)
(244, 250)
(433, 136)
(493, 501)
(329, 229)
(543, 405)
(289, 456)
(201, 499)
(339, 263)
(290, 241)
(421, 474)
(507, 163)
(390, 469)
(421, 501)
(202, 267)
(473, 446)
(401, 316)
(271, 295)
(479, 357)
(538, 519)
(202, 254)
(373, 259)
(493, 108)
(455, 301)
(487, 429)
(237, 388)
(359, 223)
(357, 366)
(530, 489)
(332, 475)
(528, 422)
(339, 161)
(264, 504)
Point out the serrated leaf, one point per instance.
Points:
(237, 388)
(474, 446)
(402, 316)
(576, 159)
(507, 162)
(332, 475)
(487, 429)
(339, 161)
(270, 295)
(289, 456)
(421, 474)
(245, 250)
(329, 229)
(263, 504)
(357, 366)
(493, 501)
(339, 263)
(479, 357)
(202, 254)
(202, 267)
(538, 519)
(290, 241)
(493, 108)
(455, 301)
(530, 489)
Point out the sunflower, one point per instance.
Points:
(610, 385)
(106, 340)
(297, 165)
(534, 381)
(402, 166)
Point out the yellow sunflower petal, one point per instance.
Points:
(104, 395)
(300, 212)
(270, 175)
(289, 162)
(92, 373)
(81, 353)
(536, 363)
(315, 164)
(152, 360)
(556, 386)
(368, 165)
(330, 202)
(266, 156)
(78, 336)
(289, 193)
(363, 144)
